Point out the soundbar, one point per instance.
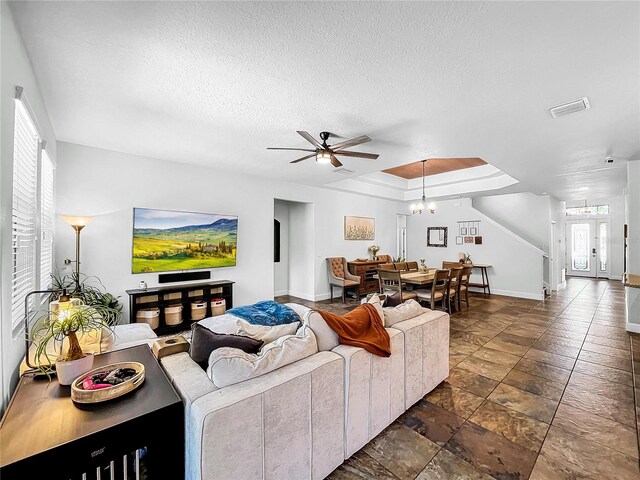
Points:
(184, 276)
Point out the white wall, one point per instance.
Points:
(557, 214)
(633, 217)
(109, 184)
(301, 248)
(510, 255)
(16, 70)
(525, 214)
(281, 268)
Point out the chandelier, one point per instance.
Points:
(418, 208)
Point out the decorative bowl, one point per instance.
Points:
(80, 395)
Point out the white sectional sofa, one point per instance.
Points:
(303, 420)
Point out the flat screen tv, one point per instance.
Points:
(168, 240)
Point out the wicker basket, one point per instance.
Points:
(173, 315)
(150, 316)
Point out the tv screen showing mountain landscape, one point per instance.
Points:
(167, 240)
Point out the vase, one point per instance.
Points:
(68, 371)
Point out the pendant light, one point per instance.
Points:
(418, 208)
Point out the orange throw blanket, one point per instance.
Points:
(362, 327)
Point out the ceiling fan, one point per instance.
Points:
(327, 153)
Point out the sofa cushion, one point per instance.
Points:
(228, 366)
(327, 339)
(230, 324)
(204, 341)
(402, 312)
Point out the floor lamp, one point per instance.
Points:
(77, 223)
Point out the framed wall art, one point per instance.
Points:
(359, 228)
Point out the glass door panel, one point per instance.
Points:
(581, 248)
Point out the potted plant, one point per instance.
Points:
(82, 312)
(374, 251)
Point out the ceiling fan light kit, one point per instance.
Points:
(323, 157)
(325, 153)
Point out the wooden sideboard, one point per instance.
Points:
(366, 271)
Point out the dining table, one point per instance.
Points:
(418, 278)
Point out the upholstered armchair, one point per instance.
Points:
(339, 276)
(384, 258)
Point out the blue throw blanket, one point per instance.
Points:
(268, 313)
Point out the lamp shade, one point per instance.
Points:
(77, 221)
(323, 156)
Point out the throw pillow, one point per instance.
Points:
(327, 339)
(204, 341)
(404, 311)
(375, 301)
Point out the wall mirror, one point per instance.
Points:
(436, 236)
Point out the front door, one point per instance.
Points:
(588, 248)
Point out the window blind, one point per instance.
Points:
(24, 208)
(46, 219)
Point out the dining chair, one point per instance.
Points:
(464, 285)
(438, 292)
(400, 266)
(453, 290)
(451, 264)
(412, 266)
(386, 266)
(391, 286)
(339, 276)
(384, 258)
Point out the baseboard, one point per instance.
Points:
(615, 277)
(633, 327)
(302, 295)
(561, 286)
(280, 293)
(510, 293)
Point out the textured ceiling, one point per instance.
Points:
(434, 166)
(216, 83)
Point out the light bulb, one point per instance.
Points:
(432, 207)
(323, 157)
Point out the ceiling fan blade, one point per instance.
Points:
(350, 143)
(297, 149)
(304, 158)
(309, 138)
(335, 162)
(371, 156)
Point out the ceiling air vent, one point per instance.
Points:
(343, 171)
(571, 107)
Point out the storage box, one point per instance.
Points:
(198, 310)
(173, 315)
(150, 316)
(218, 306)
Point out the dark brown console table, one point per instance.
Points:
(140, 435)
(183, 294)
(367, 272)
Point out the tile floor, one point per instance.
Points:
(539, 390)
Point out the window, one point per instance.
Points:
(46, 220)
(588, 210)
(31, 213)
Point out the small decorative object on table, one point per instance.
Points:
(373, 249)
(423, 264)
(108, 382)
(142, 285)
(467, 259)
